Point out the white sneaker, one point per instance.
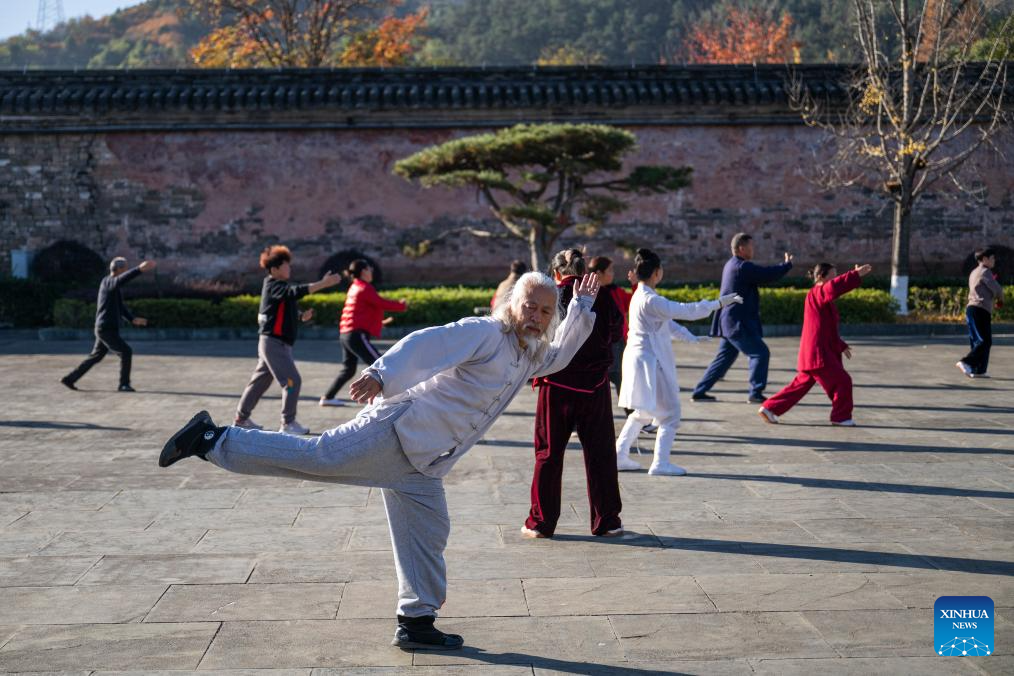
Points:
(844, 423)
(331, 402)
(531, 533)
(294, 428)
(668, 469)
(624, 463)
(247, 424)
(614, 533)
(767, 416)
(965, 368)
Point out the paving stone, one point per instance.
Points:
(62, 500)
(340, 567)
(860, 666)
(90, 542)
(666, 668)
(162, 500)
(888, 557)
(7, 631)
(237, 517)
(77, 605)
(215, 672)
(615, 596)
(643, 561)
(304, 643)
(676, 534)
(273, 539)
(921, 590)
(313, 495)
(108, 646)
(880, 530)
(107, 518)
(463, 536)
(44, 571)
(760, 509)
(483, 670)
(718, 635)
(167, 569)
(465, 598)
(778, 592)
(231, 602)
(21, 542)
(876, 633)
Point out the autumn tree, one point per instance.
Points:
(569, 55)
(300, 33)
(741, 35)
(391, 43)
(926, 98)
(541, 180)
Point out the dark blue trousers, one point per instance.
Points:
(728, 349)
(980, 338)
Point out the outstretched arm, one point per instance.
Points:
(765, 274)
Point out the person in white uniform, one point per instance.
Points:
(432, 396)
(649, 384)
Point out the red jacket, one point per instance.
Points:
(622, 297)
(820, 344)
(364, 309)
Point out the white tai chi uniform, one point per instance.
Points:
(649, 385)
(443, 388)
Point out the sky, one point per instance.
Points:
(17, 15)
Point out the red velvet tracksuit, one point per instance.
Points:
(820, 350)
(578, 398)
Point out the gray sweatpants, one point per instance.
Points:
(274, 362)
(363, 452)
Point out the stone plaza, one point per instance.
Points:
(790, 549)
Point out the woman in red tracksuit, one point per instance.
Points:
(603, 268)
(821, 348)
(362, 317)
(578, 398)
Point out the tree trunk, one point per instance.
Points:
(899, 248)
(538, 249)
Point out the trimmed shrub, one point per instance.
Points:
(785, 305)
(949, 302)
(27, 303)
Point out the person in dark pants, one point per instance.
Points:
(362, 317)
(109, 312)
(739, 326)
(984, 292)
(578, 398)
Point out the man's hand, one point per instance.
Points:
(328, 280)
(848, 353)
(788, 257)
(146, 265)
(729, 298)
(364, 389)
(306, 315)
(588, 286)
(863, 270)
(139, 321)
(404, 301)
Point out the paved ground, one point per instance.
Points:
(795, 549)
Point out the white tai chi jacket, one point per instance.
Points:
(649, 368)
(458, 378)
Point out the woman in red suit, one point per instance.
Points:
(362, 317)
(821, 348)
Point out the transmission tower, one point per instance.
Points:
(49, 16)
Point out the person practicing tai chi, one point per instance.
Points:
(821, 348)
(578, 398)
(650, 386)
(110, 311)
(362, 317)
(433, 395)
(739, 327)
(279, 318)
(984, 291)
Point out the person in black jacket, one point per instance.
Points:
(109, 312)
(278, 318)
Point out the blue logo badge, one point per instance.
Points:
(963, 626)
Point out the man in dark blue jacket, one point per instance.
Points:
(739, 326)
(110, 312)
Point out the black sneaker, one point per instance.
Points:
(68, 383)
(703, 396)
(756, 399)
(125, 388)
(418, 633)
(197, 437)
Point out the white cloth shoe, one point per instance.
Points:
(294, 428)
(666, 469)
(844, 423)
(531, 533)
(247, 424)
(624, 463)
(965, 368)
(331, 402)
(767, 416)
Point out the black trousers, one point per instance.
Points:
(980, 337)
(356, 347)
(106, 341)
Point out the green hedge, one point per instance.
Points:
(950, 301)
(444, 304)
(25, 303)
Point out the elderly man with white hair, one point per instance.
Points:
(432, 397)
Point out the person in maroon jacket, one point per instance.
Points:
(821, 349)
(578, 398)
(362, 317)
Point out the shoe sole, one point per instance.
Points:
(766, 419)
(412, 645)
(170, 453)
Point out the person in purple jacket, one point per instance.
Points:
(739, 326)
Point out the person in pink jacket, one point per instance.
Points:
(821, 348)
(362, 318)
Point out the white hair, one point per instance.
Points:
(508, 310)
(117, 263)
